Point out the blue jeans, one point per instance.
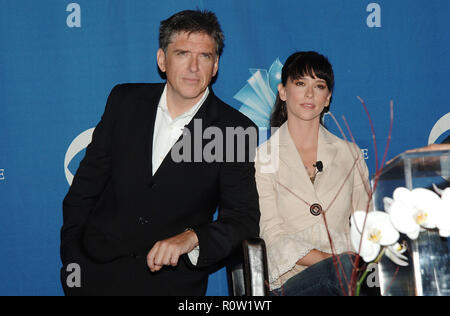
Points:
(319, 279)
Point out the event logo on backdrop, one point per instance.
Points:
(259, 94)
(78, 144)
(439, 129)
(2, 174)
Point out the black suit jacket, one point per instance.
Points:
(116, 210)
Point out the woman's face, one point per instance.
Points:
(305, 97)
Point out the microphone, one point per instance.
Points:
(318, 165)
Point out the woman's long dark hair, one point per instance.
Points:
(298, 65)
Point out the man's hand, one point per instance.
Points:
(168, 251)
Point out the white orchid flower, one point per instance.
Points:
(378, 231)
(411, 210)
(395, 253)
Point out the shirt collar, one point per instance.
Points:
(189, 113)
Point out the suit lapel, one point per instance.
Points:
(148, 117)
(326, 152)
(292, 172)
(208, 112)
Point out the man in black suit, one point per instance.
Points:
(138, 218)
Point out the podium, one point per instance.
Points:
(428, 273)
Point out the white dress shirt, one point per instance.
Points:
(168, 130)
(166, 133)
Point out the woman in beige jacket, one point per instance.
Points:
(308, 179)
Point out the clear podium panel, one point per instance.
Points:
(428, 273)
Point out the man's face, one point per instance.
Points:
(189, 63)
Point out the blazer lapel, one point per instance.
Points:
(149, 116)
(326, 153)
(208, 112)
(292, 172)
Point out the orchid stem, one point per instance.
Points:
(360, 282)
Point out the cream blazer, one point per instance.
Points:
(286, 193)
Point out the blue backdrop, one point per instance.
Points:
(59, 60)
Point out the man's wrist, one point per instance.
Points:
(192, 236)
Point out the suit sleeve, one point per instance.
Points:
(89, 181)
(238, 212)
